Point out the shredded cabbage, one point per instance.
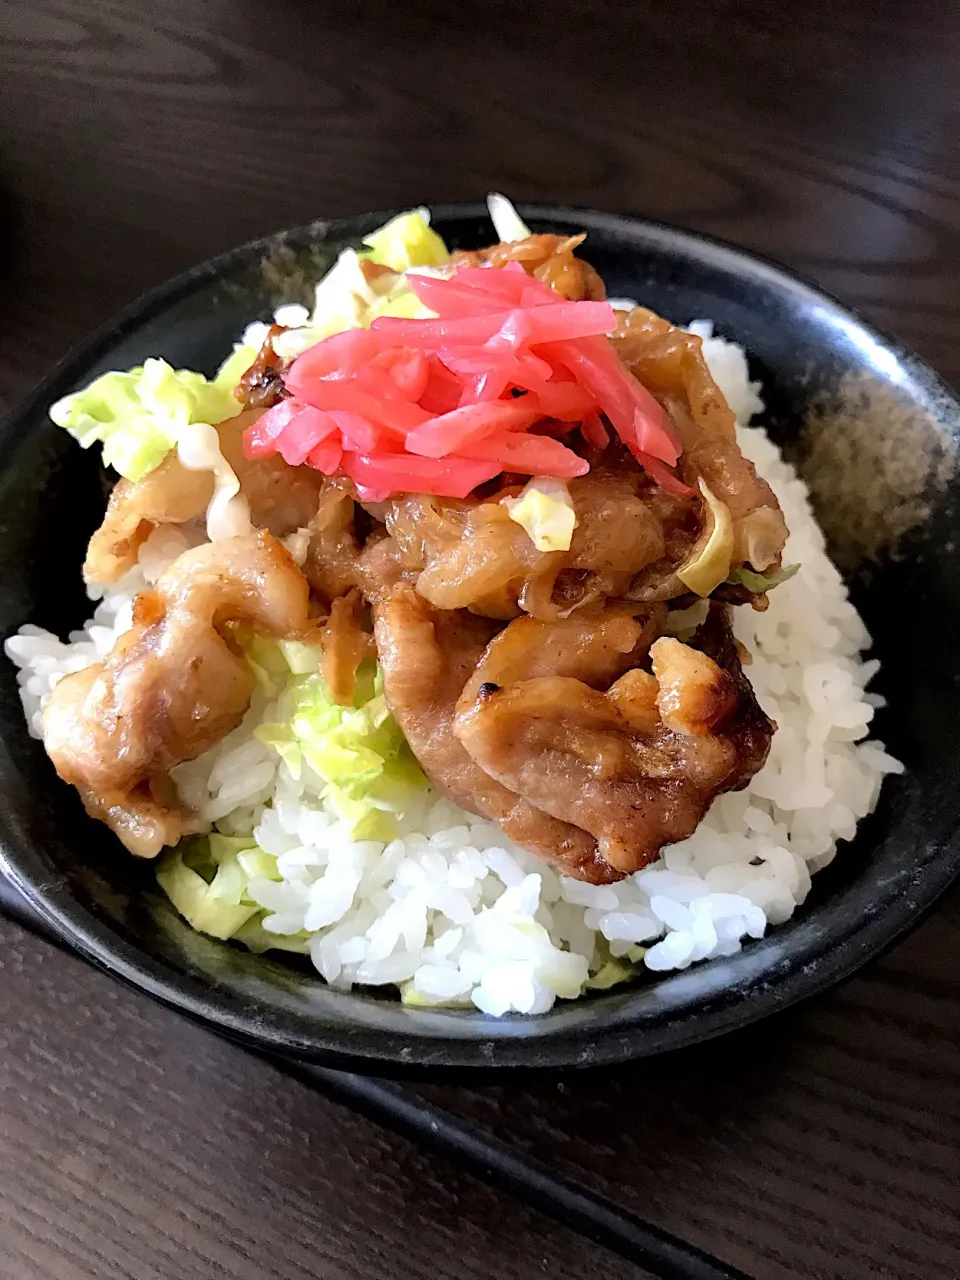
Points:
(232, 370)
(762, 581)
(610, 974)
(407, 241)
(206, 882)
(342, 298)
(258, 939)
(613, 970)
(709, 562)
(544, 509)
(507, 223)
(401, 302)
(139, 416)
(346, 299)
(414, 999)
(358, 751)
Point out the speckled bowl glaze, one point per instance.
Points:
(871, 428)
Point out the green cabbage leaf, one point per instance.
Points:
(137, 417)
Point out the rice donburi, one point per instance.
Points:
(451, 634)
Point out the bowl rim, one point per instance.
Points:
(605, 1039)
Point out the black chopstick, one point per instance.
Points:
(500, 1166)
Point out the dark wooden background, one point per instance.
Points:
(139, 137)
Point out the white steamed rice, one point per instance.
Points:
(454, 912)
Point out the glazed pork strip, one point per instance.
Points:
(636, 767)
(427, 656)
(173, 685)
(282, 499)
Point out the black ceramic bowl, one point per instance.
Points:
(872, 429)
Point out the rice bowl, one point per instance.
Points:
(452, 912)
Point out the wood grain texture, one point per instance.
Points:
(823, 1143)
(135, 1145)
(136, 139)
(147, 137)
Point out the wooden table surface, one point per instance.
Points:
(137, 138)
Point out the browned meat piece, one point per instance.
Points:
(694, 695)
(670, 363)
(622, 518)
(332, 566)
(170, 494)
(173, 686)
(344, 644)
(548, 258)
(592, 645)
(465, 554)
(586, 758)
(635, 697)
(382, 568)
(427, 656)
(470, 554)
(282, 499)
(261, 386)
(142, 822)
